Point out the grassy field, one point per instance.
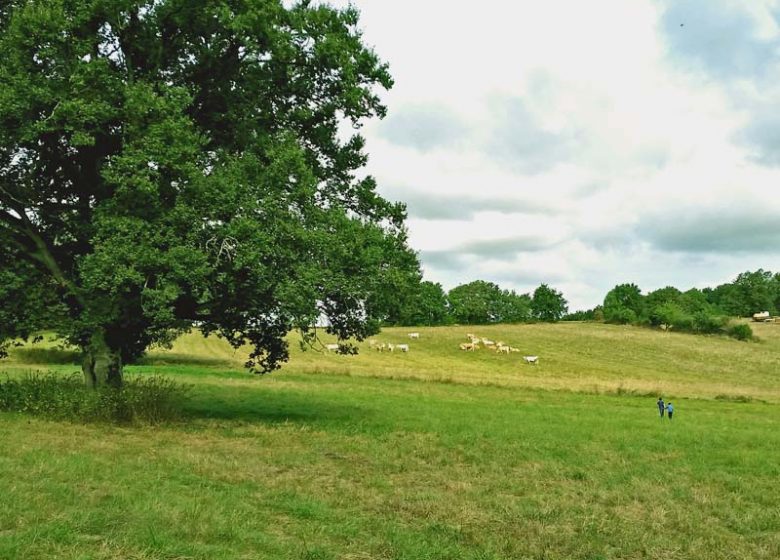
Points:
(434, 454)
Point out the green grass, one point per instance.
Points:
(435, 454)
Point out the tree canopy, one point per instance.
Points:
(424, 304)
(749, 293)
(481, 302)
(623, 304)
(171, 162)
(548, 304)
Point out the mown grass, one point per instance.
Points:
(412, 456)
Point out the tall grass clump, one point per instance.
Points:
(142, 400)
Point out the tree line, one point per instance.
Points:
(476, 303)
(696, 310)
(699, 311)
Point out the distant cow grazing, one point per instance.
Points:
(531, 359)
(414, 335)
(468, 346)
(331, 347)
(402, 347)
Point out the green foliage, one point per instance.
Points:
(475, 303)
(755, 292)
(23, 306)
(662, 306)
(516, 308)
(671, 315)
(147, 400)
(548, 304)
(705, 323)
(481, 303)
(583, 315)
(164, 163)
(682, 312)
(694, 301)
(424, 304)
(751, 292)
(740, 331)
(669, 308)
(623, 304)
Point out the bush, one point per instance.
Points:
(620, 316)
(740, 332)
(149, 400)
(704, 323)
(672, 315)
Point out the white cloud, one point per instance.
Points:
(581, 144)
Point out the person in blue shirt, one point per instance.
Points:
(661, 406)
(669, 410)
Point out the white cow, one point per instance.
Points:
(414, 335)
(402, 347)
(468, 346)
(531, 359)
(331, 347)
(503, 348)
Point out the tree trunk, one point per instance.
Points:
(102, 366)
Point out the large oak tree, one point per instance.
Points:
(165, 163)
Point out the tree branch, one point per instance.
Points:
(12, 198)
(48, 260)
(40, 251)
(12, 221)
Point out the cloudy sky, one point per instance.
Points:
(582, 144)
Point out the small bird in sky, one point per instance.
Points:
(682, 24)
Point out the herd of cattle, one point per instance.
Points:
(475, 343)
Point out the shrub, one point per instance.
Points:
(142, 399)
(672, 315)
(706, 323)
(620, 316)
(587, 315)
(740, 332)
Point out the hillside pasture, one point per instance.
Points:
(435, 454)
(581, 357)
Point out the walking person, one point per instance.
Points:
(669, 410)
(661, 406)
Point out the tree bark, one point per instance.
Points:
(102, 366)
